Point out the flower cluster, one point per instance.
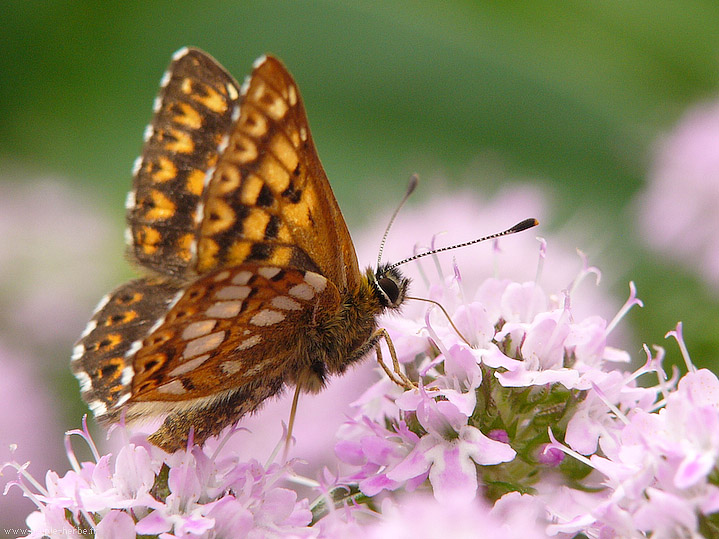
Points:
(143, 491)
(486, 419)
(522, 421)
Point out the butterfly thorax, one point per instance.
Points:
(342, 336)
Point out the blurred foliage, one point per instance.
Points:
(572, 95)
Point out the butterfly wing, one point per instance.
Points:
(235, 335)
(193, 114)
(269, 200)
(100, 358)
(231, 207)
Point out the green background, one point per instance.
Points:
(573, 95)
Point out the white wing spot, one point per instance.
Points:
(233, 292)
(261, 60)
(188, 366)
(85, 382)
(245, 86)
(136, 165)
(177, 297)
(315, 280)
(243, 277)
(98, 408)
(224, 309)
(156, 104)
(198, 329)
(303, 133)
(302, 291)
(249, 343)
(129, 239)
(179, 53)
(77, 352)
(199, 212)
(235, 113)
(130, 200)
(101, 304)
(149, 130)
(205, 344)
(285, 303)
(257, 368)
(267, 317)
(165, 80)
(156, 325)
(91, 325)
(221, 276)
(122, 400)
(173, 388)
(222, 146)
(134, 347)
(127, 374)
(268, 273)
(230, 367)
(232, 92)
(208, 176)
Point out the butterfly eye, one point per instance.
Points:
(390, 288)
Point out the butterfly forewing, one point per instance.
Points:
(269, 200)
(192, 118)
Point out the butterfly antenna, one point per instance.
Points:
(519, 227)
(413, 181)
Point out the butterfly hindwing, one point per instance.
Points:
(193, 114)
(228, 342)
(222, 333)
(100, 359)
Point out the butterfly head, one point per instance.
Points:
(390, 286)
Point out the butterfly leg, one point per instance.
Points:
(396, 374)
(290, 426)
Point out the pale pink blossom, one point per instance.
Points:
(677, 211)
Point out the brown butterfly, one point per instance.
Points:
(253, 281)
(252, 278)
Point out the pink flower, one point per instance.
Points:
(29, 427)
(463, 422)
(656, 467)
(449, 451)
(142, 490)
(677, 211)
(513, 517)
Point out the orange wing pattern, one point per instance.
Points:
(269, 200)
(193, 114)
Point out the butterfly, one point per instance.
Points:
(251, 279)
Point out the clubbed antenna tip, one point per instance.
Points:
(524, 225)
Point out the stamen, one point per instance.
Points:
(679, 336)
